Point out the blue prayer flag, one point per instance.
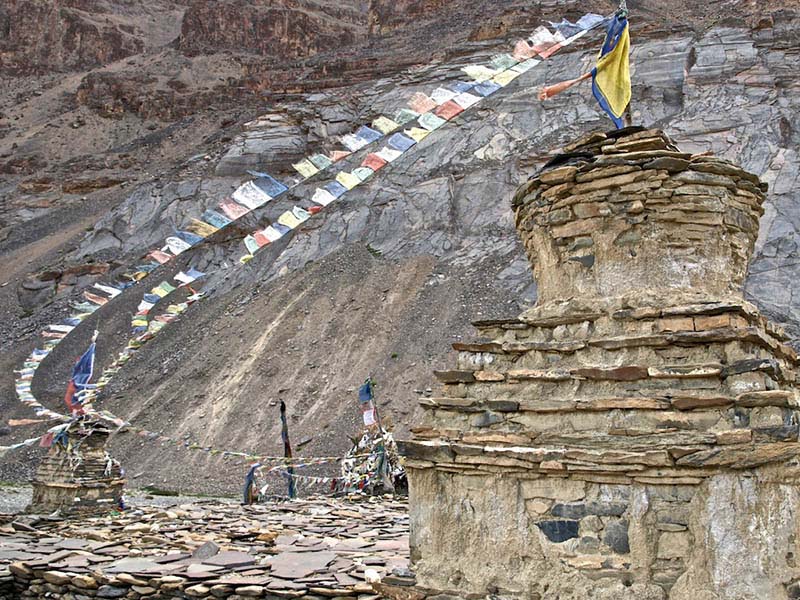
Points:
(188, 237)
(400, 142)
(81, 375)
(486, 88)
(461, 86)
(370, 135)
(216, 219)
(269, 185)
(365, 392)
(335, 188)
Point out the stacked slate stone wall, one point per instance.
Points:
(635, 434)
(78, 477)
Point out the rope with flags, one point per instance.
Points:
(611, 77)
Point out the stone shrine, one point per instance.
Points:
(635, 434)
(78, 476)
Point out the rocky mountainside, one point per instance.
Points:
(123, 120)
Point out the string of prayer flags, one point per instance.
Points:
(320, 161)
(400, 142)
(250, 195)
(233, 210)
(446, 101)
(385, 125)
(306, 168)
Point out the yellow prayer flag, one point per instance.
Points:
(612, 76)
(348, 180)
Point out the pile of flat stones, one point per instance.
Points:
(307, 549)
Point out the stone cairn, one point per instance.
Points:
(78, 477)
(635, 434)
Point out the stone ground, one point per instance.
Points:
(14, 499)
(211, 548)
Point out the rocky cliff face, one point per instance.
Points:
(68, 35)
(429, 234)
(285, 29)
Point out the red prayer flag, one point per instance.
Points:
(373, 161)
(448, 110)
(261, 239)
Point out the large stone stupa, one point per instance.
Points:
(633, 436)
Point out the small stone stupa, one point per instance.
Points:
(633, 436)
(78, 477)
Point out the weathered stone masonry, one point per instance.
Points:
(635, 434)
(81, 480)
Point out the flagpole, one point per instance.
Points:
(387, 482)
(287, 449)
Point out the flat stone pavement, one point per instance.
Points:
(310, 548)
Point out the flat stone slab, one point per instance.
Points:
(317, 546)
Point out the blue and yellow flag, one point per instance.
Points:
(611, 78)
